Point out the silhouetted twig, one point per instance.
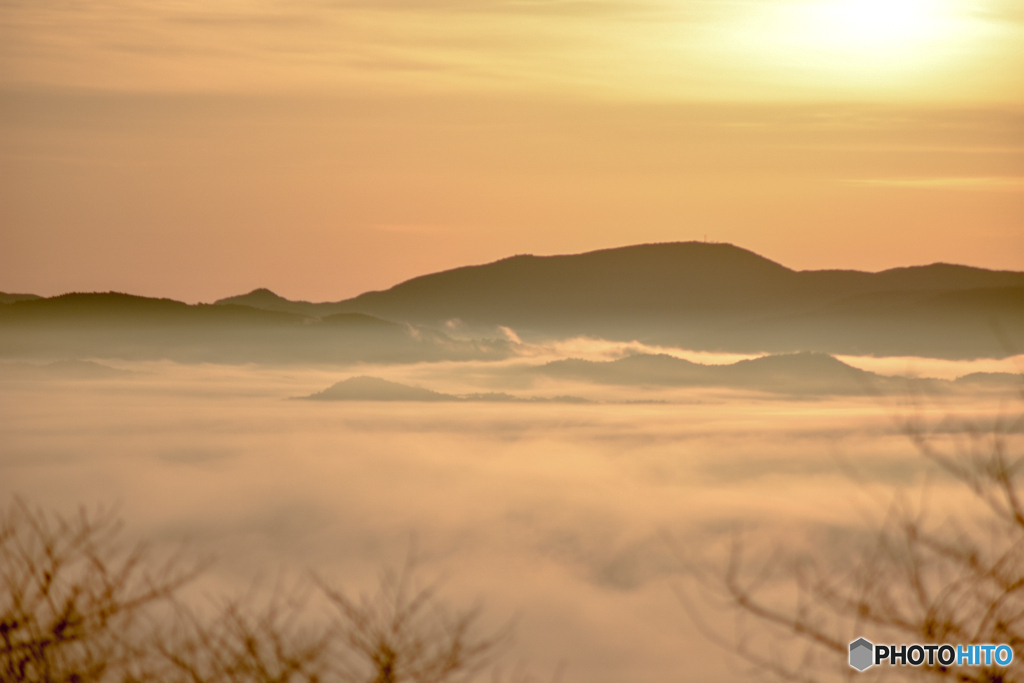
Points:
(925, 578)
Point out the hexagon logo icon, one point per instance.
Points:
(862, 654)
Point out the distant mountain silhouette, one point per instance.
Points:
(114, 325)
(266, 300)
(994, 379)
(6, 298)
(798, 373)
(116, 308)
(61, 370)
(711, 297)
(695, 295)
(365, 388)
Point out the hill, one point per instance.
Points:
(267, 300)
(711, 297)
(61, 370)
(115, 325)
(794, 374)
(715, 297)
(366, 388)
(6, 298)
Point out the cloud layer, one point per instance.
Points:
(573, 517)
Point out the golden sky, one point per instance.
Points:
(322, 148)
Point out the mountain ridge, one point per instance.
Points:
(805, 373)
(368, 388)
(116, 325)
(716, 296)
(697, 295)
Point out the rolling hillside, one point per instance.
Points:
(695, 295)
(709, 296)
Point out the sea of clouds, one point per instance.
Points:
(580, 522)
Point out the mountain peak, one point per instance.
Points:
(260, 294)
(691, 250)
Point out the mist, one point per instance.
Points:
(576, 520)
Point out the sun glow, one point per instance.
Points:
(871, 33)
(876, 24)
(895, 44)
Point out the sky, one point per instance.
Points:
(323, 148)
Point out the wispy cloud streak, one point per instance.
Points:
(983, 183)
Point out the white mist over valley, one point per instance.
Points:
(578, 520)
